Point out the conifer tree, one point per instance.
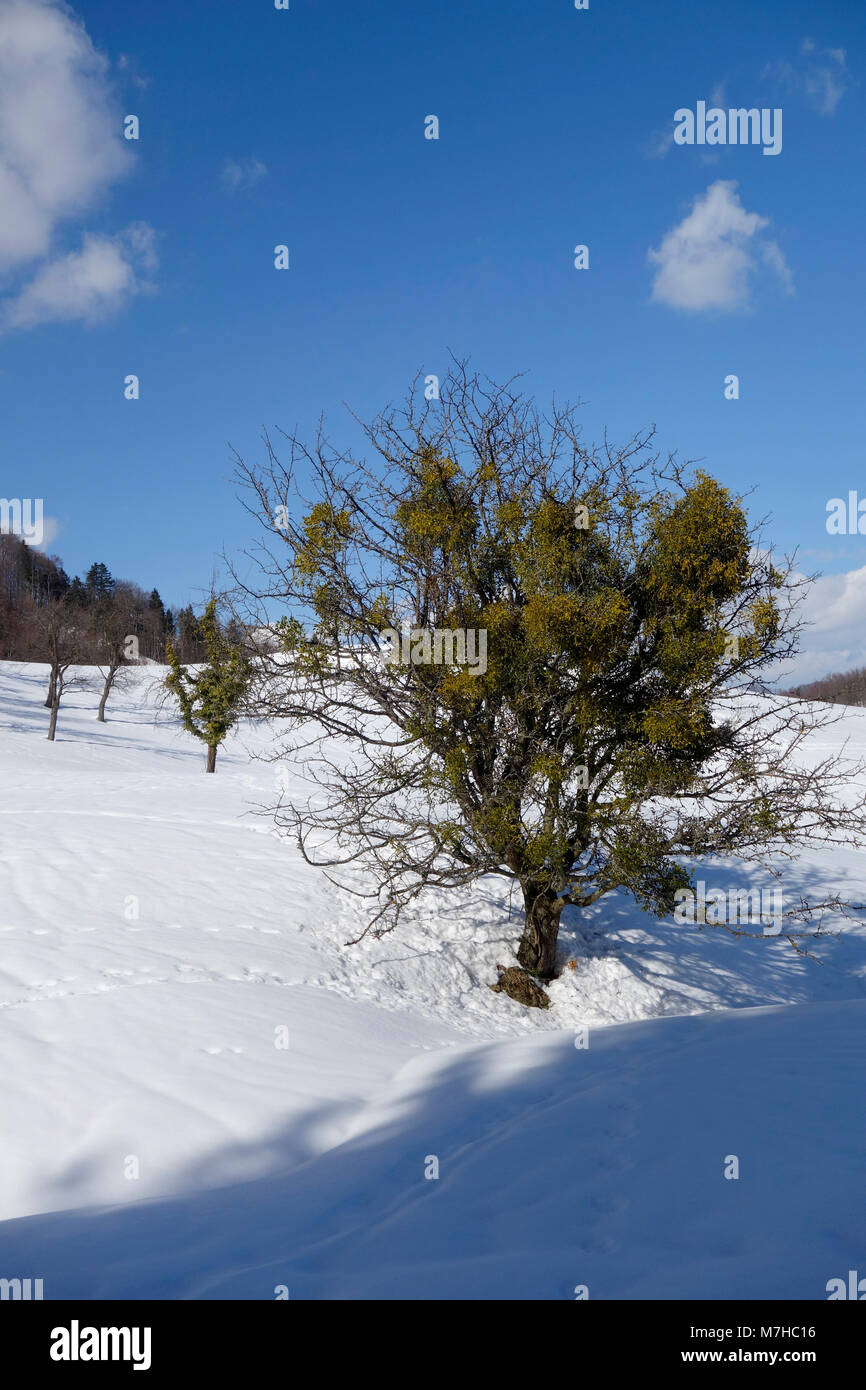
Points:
(210, 697)
(99, 583)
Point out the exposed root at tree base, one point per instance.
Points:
(519, 984)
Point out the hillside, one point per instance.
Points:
(158, 938)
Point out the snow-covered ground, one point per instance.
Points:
(207, 1093)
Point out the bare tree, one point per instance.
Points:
(62, 639)
(116, 643)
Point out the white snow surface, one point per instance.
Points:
(160, 942)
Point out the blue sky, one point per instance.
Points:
(306, 127)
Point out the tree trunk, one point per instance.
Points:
(52, 723)
(211, 757)
(537, 949)
(106, 691)
(52, 690)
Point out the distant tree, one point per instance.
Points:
(210, 697)
(161, 625)
(99, 583)
(78, 593)
(155, 626)
(189, 643)
(115, 644)
(43, 576)
(28, 580)
(63, 639)
(619, 725)
(236, 633)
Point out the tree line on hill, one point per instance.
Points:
(96, 621)
(839, 688)
(97, 611)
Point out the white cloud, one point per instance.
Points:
(129, 68)
(776, 261)
(825, 89)
(711, 259)
(836, 637)
(822, 78)
(61, 149)
(90, 284)
(60, 143)
(50, 531)
(239, 174)
(659, 143)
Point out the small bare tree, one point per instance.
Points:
(117, 646)
(62, 641)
